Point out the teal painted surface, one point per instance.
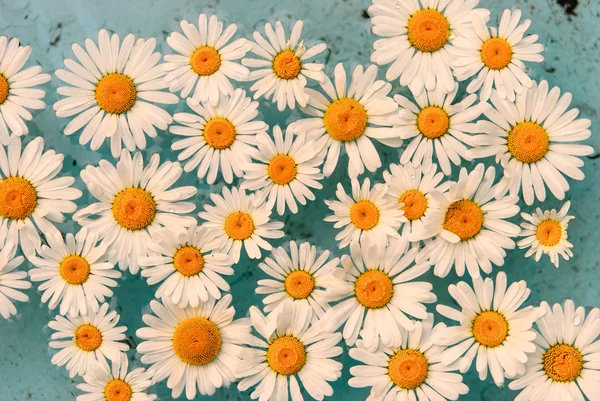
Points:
(51, 26)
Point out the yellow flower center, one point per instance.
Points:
(549, 232)
(299, 284)
(117, 390)
(433, 122)
(4, 88)
(287, 65)
(219, 133)
(415, 204)
(239, 226)
(373, 289)
(428, 30)
(408, 369)
(364, 215)
(197, 341)
(134, 208)
(464, 218)
(74, 269)
(345, 120)
(116, 93)
(496, 53)
(528, 142)
(286, 355)
(205, 60)
(282, 169)
(563, 363)
(490, 329)
(188, 261)
(88, 338)
(18, 198)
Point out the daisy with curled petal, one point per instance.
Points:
(206, 61)
(11, 281)
(17, 89)
(283, 66)
(134, 202)
(492, 327)
(535, 141)
(113, 91)
(351, 117)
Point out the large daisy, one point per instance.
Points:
(134, 202)
(11, 281)
(112, 92)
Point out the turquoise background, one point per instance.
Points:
(51, 26)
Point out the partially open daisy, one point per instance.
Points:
(86, 340)
(535, 141)
(31, 197)
(239, 219)
(351, 117)
(11, 281)
(564, 365)
(17, 89)
(195, 348)
(283, 66)
(206, 61)
(134, 202)
(289, 348)
(113, 92)
(469, 226)
(218, 138)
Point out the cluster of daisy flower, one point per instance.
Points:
(393, 232)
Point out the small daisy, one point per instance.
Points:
(195, 348)
(376, 293)
(564, 365)
(366, 215)
(218, 138)
(469, 226)
(535, 141)
(286, 171)
(492, 327)
(436, 125)
(410, 370)
(134, 202)
(417, 38)
(283, 66)
(240, 220)
(496, 56)
(351, 117)
(86, 340)
(31, 197)
(18, 90)
(11, 281)
(205, 60)
(188, 266)
(112, 91)
(299, 276)
(290, 349)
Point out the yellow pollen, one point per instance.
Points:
(563, 363)
(345, 120)
(528, 142)
(117, 390)
(239, 226)
(364, 215)
(282, 169)
(219, 133)
(134, 208)
(205, 60)
(74, 269)
(464, 218)
(415, 204)
(433, 122)
(4, 89)
(18, 198)
(287, 65)
(549, 232)
(286, 355)
(116, 93)
(428, 30)
(490, 329)
(197, 341)
(188, 261)
(496, 53)
(88, 338)
(299, 284)
(373, 289)
(408, 369)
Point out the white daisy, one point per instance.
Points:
(289, 348)
(469, 226)
(112, 90)
(206, 61)
(239, 219)
(496, 55)
(564, 366)
(283, 66)
(533, 139)
(134, 202)
(11, 281)
(492, 327)
(351, 117)
(32, 198)
(85, 340)
(17, 89)
(218, 138)
(411, 370)
(417, 37)
(195, 348)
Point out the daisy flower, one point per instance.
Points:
(285, 170)
(417, 38)
(469, 226)
(112, 92)
(492, 327)
(283, 66)
(193, 347)
(32, 198)
(436, 125)
(18, 91)
(289, 349)
(240, 220)
(496, 56)
(188, 265)
(218, 138)
(206, 61)
(134, 202)
(376, 293)
(546, 233)
(86, 340)
(533, 139)
(564, 365)
(11, 281)
(351, 117)
(365, 215)
(410, 370)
